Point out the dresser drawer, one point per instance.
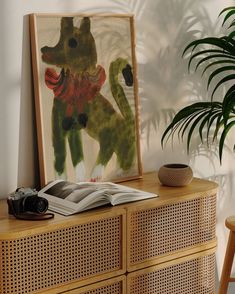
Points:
(161, 233)
(194, 274)
(111, 286)
(80, 253)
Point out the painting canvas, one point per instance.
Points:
(86, 102)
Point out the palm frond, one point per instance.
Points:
(218, 71)
(192, 116)
(222, 81)
(231, 12)
(226, 9)
(187, 123)
(204, 115)
(217, 42)
(217, 118)
(231, 35)
(217, 62)
(232, 24)
(224, 134)
(228, 106)
(229, 40)
(208, 58)
(219, 123)
(202, 52)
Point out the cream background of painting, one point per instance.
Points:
(113, 39)
(159, 27)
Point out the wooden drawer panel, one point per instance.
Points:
(193, 274)
(154, 235)
(111, 286)
(77, 253)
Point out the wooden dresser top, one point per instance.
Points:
(10, 226)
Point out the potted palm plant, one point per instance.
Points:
(216, 117)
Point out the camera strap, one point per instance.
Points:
(34, 216)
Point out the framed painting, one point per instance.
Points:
(86, 99)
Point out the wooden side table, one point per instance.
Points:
(229, 257)
(163, 245)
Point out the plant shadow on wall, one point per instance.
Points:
(212, 119)
(161, 63)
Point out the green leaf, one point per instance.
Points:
(231, 35)
(230, 90)
(224, 134)
(221, 82)
(218, 125)
(227, 112)
(226, 9)
(180, 116)
(186, 115)
(189, 121)
(228, 95)
(188, 110)
(214, 56)
(232, 24)
(229, 40)
(193, 126)
(228, 106)
(217, 62)
(211, 121)
(228, 15)
(202, 53)
(205, 120)
(228, 99)
(168, 131)
(218, 42)
(218, 71)
(201, 127)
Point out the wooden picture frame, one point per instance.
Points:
(86, 97)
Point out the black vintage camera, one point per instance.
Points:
(26, 200)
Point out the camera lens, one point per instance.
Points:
(35, 204)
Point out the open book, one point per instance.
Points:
(68, 198)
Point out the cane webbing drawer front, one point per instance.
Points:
(161, 231)
(70, 254)
(192, 276)
(112, 286)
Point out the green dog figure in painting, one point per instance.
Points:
(78, 103)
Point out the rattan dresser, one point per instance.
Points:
(166, 245)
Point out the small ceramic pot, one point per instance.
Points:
(175, 175)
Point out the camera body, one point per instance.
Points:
(25, 200)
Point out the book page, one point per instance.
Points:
(69, 198)
(74, 197)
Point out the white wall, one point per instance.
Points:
(162, 31)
